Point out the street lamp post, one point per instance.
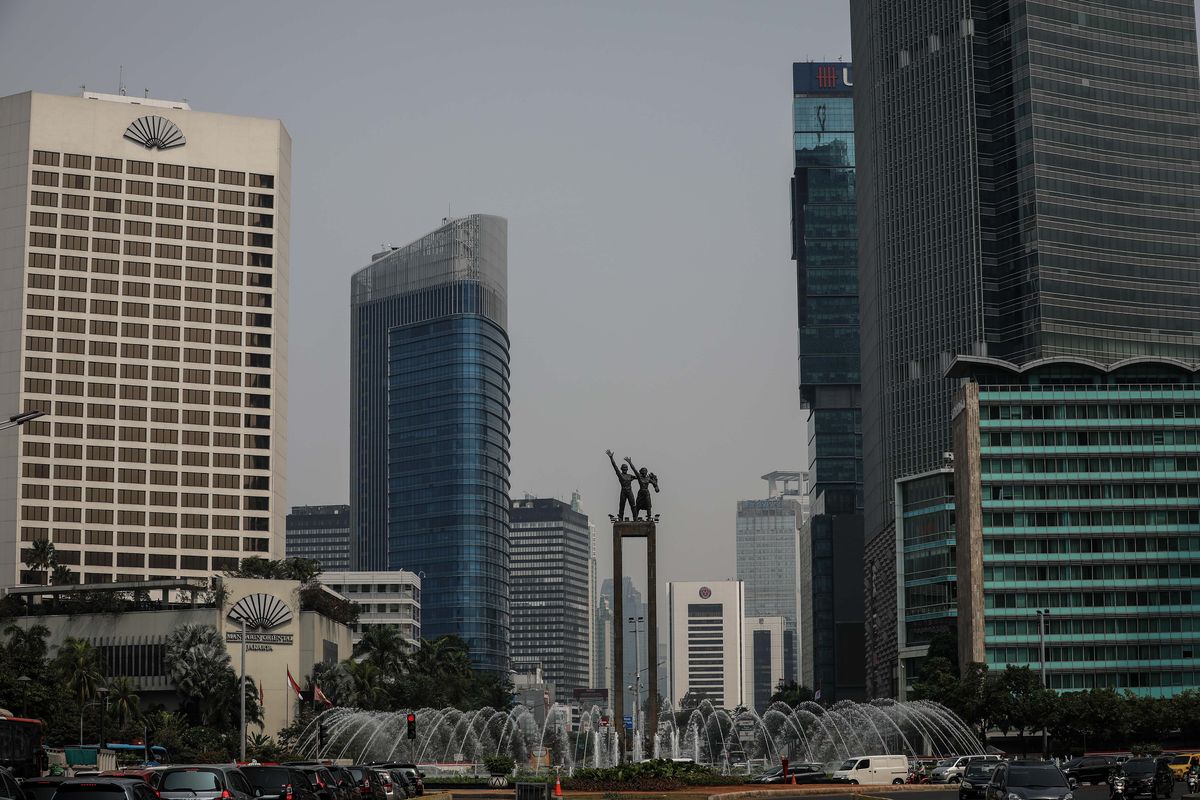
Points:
(1043, 615)
(637, 688)
(102, 691)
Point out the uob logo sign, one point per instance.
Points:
(827, 76)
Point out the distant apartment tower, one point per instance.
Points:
(144, 294)
(602, 656)
(635, 658)
(429, 431)
(769, 659)
(321, 533)
(768, 552)
(706, 641)
(391, 597)
(1046, 208)
(549, 557)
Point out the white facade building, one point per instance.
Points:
(769, 646)
(706, 640)
(144, 310)
(384, 598)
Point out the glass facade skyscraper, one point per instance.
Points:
(430, 427)
(825, 249)
(1078, 493)
(321, 533)
(1027, 189)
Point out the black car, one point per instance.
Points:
(368, 786)
(105, 788)
(1143, 777)
(975, 780)
(41, 788)
(1027, 780)
(1089, 769)
(322, 782)
(346, 781)
(800, 773)
(278, 783)
(400, 781)
(411, 774)
(204, 782)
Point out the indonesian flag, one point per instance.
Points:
(319, 695)
(295, 686)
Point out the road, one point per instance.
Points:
(1082, 793)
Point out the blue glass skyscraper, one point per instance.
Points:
(429, 474)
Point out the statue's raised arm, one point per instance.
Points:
(613, 461)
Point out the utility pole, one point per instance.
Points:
(1043, 615)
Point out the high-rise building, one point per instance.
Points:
(145, 277)
(1019, 198)
(429, 430)
(1077, 509)
(706, 641)
(635, 658)
(825, 248)
(550, 550)
(769, 660)
(768, 551)
(321, 533)
(602, 656)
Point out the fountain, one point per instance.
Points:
(708, 734)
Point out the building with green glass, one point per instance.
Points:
(1077, 495)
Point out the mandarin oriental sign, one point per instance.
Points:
(260, 612)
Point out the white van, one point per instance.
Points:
(873, 769)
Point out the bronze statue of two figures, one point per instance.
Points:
(627, 473)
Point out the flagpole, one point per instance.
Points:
(243, 687)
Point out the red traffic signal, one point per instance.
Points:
(412, 725)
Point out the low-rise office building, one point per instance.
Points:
(387, 597)
(282, 635)
(706, 640)
(1077, 497)
(321, 533)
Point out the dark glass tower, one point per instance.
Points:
(1028, 176)
(429, 474)
(825, 248)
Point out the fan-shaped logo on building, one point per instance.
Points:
(155, 132)
(261, 611)
(705, 592)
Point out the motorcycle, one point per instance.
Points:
(1193, 780)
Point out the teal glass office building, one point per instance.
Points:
(1077, 489)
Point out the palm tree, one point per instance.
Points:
(385, 647)
(39, 558)
(125, 702)
(369, 691)
(61, 575)
(27, 645)
(78, 664)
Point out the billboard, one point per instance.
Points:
(819, 77)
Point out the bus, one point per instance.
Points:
(21, 746)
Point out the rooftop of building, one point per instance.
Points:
(348, 577)
(1064, 370)
(312, 511)
(146, 100)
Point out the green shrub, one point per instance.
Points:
(499, 765)
(659, 775)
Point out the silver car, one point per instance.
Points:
(950, 770)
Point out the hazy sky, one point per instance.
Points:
(639, 150)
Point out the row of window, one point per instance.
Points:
(140, 477)
(142, 249)
(1107, 490)
(1143, 412)
(1081, 518)
(171, 191)
(1092, 572)
(1093, 626)
(142, 455)
(1056, 466)
(172, 541)
(1100, 600)
(111, 266)
(133, 227)
(1114, 652)
(50, 158)
(1087, 544)
(139, 497)
(37, 322)
(1099, 438)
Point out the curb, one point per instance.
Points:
(828, 789)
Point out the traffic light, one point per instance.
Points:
(412, 725)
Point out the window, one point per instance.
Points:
(262, 181)
(73, 161)
(200, 194)
(173, 191)
(41, 178)
(145, 188)
(233, 178)
(108, 164)
(201, 174)
(231, 198)
(45, 158)
(169, 211)
(172, 171)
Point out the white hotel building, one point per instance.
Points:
(143, 308)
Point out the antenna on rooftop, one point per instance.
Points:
(121, 81)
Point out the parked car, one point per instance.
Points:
(1028, 780)
(1180, 764)
(1138, 777)
(278, 783)
(151, 775)
(204, 782)
(41, 788)
(400, 781)
(368, 784)
(322, 782)
(411, 773)
(101, 787)
(801, 773)
(873, 769)
(345, 780)
(9, 788)
(951, 770)
(975, 780)
(1089, 769)
(389, 786)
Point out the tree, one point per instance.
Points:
(126, 704)
(369, 691)
(40, 557)
(334, 681)
(791, 693)
(78, 665)
(61, 575)
(27, 647)
(944, 644)
(383, 646)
